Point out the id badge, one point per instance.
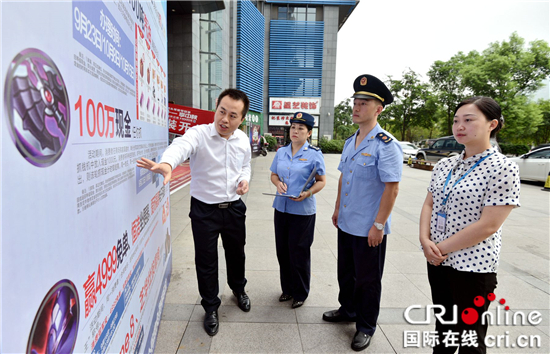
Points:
(440, 222)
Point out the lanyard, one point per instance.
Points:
(460, 179)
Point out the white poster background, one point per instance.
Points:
(59, 222)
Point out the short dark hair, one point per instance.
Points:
(237, 95)
(490, 109)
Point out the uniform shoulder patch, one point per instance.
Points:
(316, 148)
(384, 137)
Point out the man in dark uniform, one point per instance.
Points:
(371, 167)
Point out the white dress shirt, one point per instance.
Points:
(218, 165)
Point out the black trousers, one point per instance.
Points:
(452, 287)
(293, 239)
(208, 221)
(360, 269)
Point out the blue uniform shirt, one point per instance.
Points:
(294, 172)
(364, 172)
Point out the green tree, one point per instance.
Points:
(543, 130)
(446, 82)
(343, 121)
(508, 73)
(414, 105)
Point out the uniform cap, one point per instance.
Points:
(370, 87)
(303, 118)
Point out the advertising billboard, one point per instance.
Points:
(85, 235)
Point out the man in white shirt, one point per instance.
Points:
(220, 167)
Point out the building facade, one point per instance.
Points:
(281, 53)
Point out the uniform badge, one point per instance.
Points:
(363, 81)
(365, 154)
(385, 138)
(299, 115)
(302, 159)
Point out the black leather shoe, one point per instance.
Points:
(337, 316)
(243, 301)
(211, 323)
(360, 341)
(284, 297)
(296, 304)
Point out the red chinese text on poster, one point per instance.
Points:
(182, 118)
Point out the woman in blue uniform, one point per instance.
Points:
(295, 217)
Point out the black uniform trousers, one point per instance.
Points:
(208, 221)
(360, 269)
(452, 287)
(293, 239)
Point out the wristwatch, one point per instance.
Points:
(379, 226)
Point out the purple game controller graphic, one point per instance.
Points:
(37, 104)
(55, 326)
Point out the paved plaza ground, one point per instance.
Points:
(274, 327)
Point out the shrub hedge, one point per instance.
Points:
(272, 141)
(514, 149)
(331, 146)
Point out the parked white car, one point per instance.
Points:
(409, 150)
(535, 165)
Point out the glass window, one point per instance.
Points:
(438, 144)
(541, 154)
(283, 13)
(311, 14)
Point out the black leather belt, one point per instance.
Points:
(224, 205)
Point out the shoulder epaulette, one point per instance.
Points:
(316, 148)
(350, 136)
(385, 138)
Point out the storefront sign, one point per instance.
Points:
(293, 104)
(278, 120)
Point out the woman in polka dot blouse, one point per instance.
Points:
(469, 197)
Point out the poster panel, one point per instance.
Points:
(85, 235)
(182, 118)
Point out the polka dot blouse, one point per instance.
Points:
(493, 182)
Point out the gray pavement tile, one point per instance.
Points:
(537, 283)
(177, 312)
(183, 238)
(261, 258)
(401, 244)
(313, 315)
(421, 282)
(195, 339)
(528, 244)
(183, 288)
(519, 294)
(407, 262)
(256, 338)
(169, 336)
(395, 333)
(399, 292)
(528, 264)
(262, 287)
(322, 260)
(323, 291)
(262, 314)
(183, 257)
(336, 338)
